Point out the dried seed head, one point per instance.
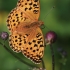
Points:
(51, 37)
(4, 35)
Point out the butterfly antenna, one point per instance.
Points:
(47, 15)
(49, 12)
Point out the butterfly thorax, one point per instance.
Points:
(34, 24)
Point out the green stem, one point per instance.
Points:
(28, 64)
(61, 66)
(53, 62)
(43, 65)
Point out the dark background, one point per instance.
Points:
(58, 20)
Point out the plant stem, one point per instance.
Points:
(61, 66)
(28, 64)
(52, 52)
(43, 65)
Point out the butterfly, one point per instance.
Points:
(25, 33)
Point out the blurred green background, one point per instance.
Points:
(58, 20)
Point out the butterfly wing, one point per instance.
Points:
(17, 41)
(19, 37)
(15, 17)
(25, 11)
(30, 7)
(34, 49)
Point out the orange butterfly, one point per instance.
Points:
(25, 33)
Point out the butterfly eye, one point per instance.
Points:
(40, 23)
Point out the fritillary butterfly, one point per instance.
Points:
(24, 27)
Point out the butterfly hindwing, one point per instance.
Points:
(17, 41)
(34, 49)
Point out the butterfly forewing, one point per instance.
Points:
(30, 7)
(15, 17)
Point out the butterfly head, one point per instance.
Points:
(40, 23)
(37, 23)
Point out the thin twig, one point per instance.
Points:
(28, 64)
(52, 52)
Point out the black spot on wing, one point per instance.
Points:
(16, 14)
(37, 49)
(27, 48)
(29, 43)
(16, 40)
(30, 48)
(24, 42)
(33, 50)
(36, 0)
(26, 9)
(20, 44)
(28, 56)
(38, 35)
(35, 6)
(35, 45)
(35, 11)
(30, 3)
(34, 41)
(25, 3)
(26, 34)
(40, 38)
(14, 24)
(38, 42)
(13, 20)
(41, 45)
(27, 0)
(30, 8)
(15, 36)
